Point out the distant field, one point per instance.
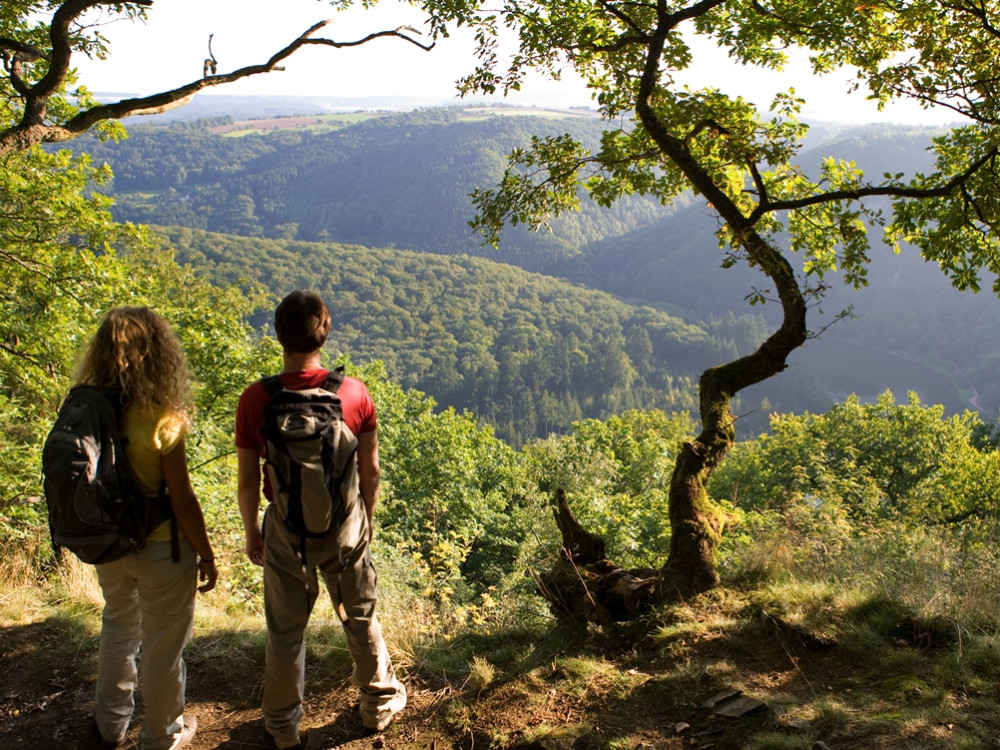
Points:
(479, 113)
(304, 122)
(336, 121)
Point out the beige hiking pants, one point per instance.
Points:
(149, 603)
(343, 559)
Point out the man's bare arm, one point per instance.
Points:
(248, 495)
(369, 473)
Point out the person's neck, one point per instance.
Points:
(299, 362)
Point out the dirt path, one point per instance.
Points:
(46, 701)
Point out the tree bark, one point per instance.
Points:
(584, 586)
(696, 524)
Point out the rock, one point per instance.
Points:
(738, 707)
(721, 697)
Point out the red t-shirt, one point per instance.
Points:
(359, 410)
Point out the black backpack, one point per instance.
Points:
(96, 509)
(310, 456)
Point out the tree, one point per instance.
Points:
(38, 39)
(65, 260)
(666, 140)
(879, 463)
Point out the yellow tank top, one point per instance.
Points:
(150, 437)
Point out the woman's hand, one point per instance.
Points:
(208, 574)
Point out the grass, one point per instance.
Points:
(848, 665)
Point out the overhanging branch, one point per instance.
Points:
(159, 102)
(33, 130)
(875, 191)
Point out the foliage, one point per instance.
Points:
(449, 486)
(38, 41)
(457, 499)
(879, 462)
(648, 257)
(909, 316)
(57, 246)
(25, 29)
(883, 496)
(336, 185)
(525, 353)
(616, 474)
(744, 164)
(67, 262)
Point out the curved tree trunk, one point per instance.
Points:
(584, 585)
(696, 525)
(597, 589)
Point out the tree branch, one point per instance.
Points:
(611, 9)
(32, 130)
(692, 11)
(872, 191)
(24, 52)
(979, 12)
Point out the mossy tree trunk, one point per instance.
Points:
(598, 590)
(583, 584)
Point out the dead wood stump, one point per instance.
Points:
(585, 586)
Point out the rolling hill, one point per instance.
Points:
(401, 182)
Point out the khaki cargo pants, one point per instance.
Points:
(149, 603)
(290, 590)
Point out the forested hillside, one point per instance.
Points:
(527, 353)
(820, 585)
(403, 181)
(400, 180)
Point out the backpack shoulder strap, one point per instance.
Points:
(272, 384)
(334, 380)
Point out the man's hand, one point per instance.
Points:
(248, 498)
(255, 546)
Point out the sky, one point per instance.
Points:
(169, 49)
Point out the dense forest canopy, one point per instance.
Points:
(186, 172)
(526, 353)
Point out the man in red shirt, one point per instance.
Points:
(342, 557)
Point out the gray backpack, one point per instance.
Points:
(310, 456)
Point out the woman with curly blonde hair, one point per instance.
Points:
(149, 597)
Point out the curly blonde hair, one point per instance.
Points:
(136, 351)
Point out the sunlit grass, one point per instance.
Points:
(895, 672)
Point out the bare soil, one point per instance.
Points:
(46, 701)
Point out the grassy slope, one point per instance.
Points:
(829, 665)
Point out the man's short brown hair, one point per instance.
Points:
(302, 323)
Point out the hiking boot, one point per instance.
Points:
(103, 742)
(187, 734)
(300, 745)
(381, 721)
